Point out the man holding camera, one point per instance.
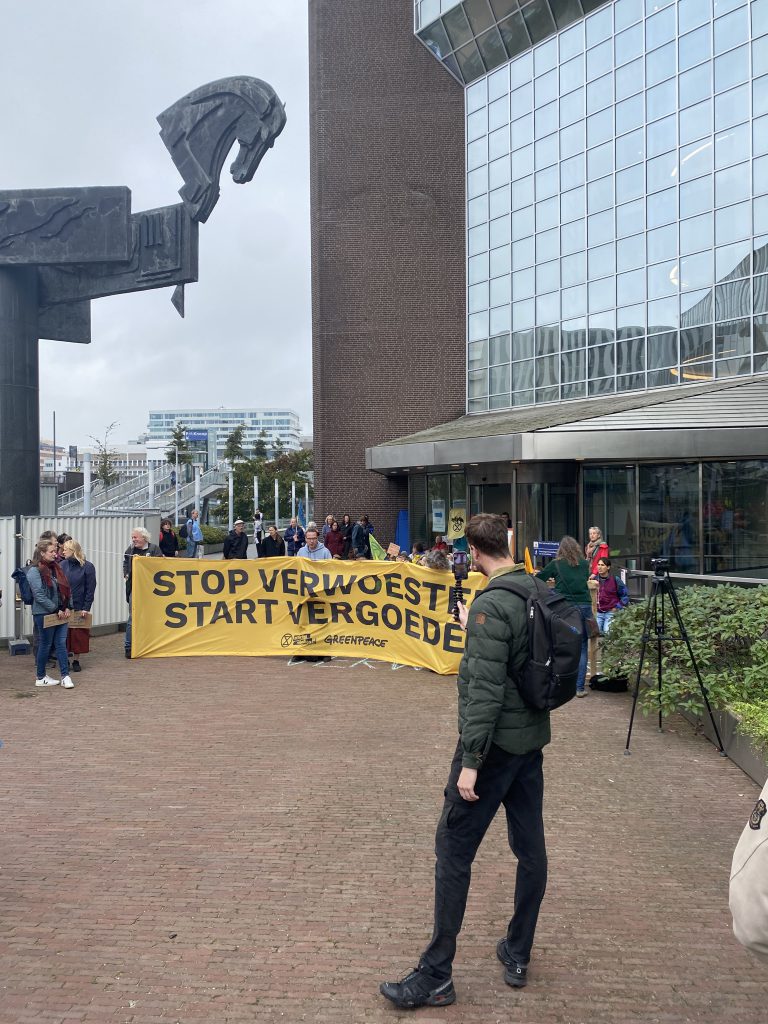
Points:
(498, 760)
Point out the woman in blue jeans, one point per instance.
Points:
(570, 571)
(51, 596)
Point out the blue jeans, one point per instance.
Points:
(604, 620)
(586, 613)
(51, 638)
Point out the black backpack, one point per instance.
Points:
(555, 633)
(183, 531)
(19, 577)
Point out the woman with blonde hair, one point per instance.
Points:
(596, 548)
(570, 571)
(50, 596)
(82, 581)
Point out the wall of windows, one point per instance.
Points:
(617, 205)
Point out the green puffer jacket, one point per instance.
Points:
(491, 709)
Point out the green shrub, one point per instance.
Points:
(728, 632)
(211, 535)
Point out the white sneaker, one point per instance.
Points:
(66, 682)
(47, 681)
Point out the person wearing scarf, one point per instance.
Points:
(52, 595)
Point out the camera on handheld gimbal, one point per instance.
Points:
(460, 573)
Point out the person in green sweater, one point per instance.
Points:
(498, 761)
(570, 571)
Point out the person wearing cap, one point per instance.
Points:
(236, 541)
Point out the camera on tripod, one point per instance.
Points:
(660, 566)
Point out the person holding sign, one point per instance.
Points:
(51, 608)
(498, 760)
(82, 580)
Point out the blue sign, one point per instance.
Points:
(196, 435)
(545, 548)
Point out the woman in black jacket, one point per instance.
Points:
(82, 580)
(168, 542)
(345, 529)
(273, 545)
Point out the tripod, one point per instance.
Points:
(655, 625)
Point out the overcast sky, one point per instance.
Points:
(83, 81)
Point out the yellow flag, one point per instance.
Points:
(528, 562)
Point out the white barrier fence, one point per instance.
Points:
(103, 538)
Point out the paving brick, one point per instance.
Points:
(230, 840)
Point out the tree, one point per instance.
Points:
(234, 450)
(288, 467)
(260, 446)
(105, 455)
(178, 440)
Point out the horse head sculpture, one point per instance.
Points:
(200, 129)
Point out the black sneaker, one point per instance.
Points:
(515, 974)
(418, 989)
(127, 653)
(76, 666)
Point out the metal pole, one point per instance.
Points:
(306, 502)
(86, 483)
(197, 485)
(176, 469)
(231, 494)
(255, 493)
(293, 499)
(277, 503)
(151, 483)
(56, 490)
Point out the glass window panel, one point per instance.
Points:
(733, 338)
(662, 313)
(478, 326)
(499, 172)
(522, 347)
(523, 314)
(499, 401)
(630, 356)
(521, 70)
(522, 192)
(601, 261)
(602, 326)
(662, 350)
(598, 27)
(760, 135)
(761, 334)
(572, 41)
(524, 284)
(661, 172)
(498, 113)
(692, 13)
(572, 204)
(498, 143)
(548, 276)
(477, 239)
(547, 183)
(630, 183)
(626, 12)
(604, 386)
(630, 321)
(477, 153)
(523, 254)
(731, 69)
(548, 308)
(546, 89)
(573, 334)
(547, 340)
(571, 107)
(733, 261)
(630, 288)
(631, 382)
(732, 367)
(602, 294)
(600, 161)
(499, 233)
(696, 197)
(500, 319)
(546, 120)
(694, 47)
(600, 228)
(501, 290)
(600, 127)
(733, 300)
(500, 379)
(499, 201)
(760, 96)
(629, 79)
(759, 11)
(479, 14)
(477, 211)
(630, 148)
(630, 114)
(573, 269)
(733, 223)
(547, 371)
(545, 57)
(522, 162)
(477, 124)
(500, 262)
(547, 214)
(572, 365)
(573, 237)
(572, 140)
(661, 100)
(696, 271)
(660, 28)
(547, 247)
(695, 122)
(731, 107)
(457, 26)
(470, 62)
(477, 384)
(521, 101)
(599, 60)
(695, 343)
(629, 44)
(477, 354)
(660, 64)
(732, 30)
(477, 268)
(574, 301)
(760, 207)
(602, 361)
(695, 159)
(697, 233)
(662, 243)
(600, 195)
(523, 222)
(630, 254)
(572, 172)
(477, 297)
(662, 280)
(477, 182)
(476, 95)
(662, 208)
(630, 218)
(546, 151)
(732, 184)
(498, 83)
(499, 350)
(696, 84)
(732, 146)
(696, 307)
(662, 136)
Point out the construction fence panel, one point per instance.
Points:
(7, 565)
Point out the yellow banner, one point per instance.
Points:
(390, 611)
(457, 521)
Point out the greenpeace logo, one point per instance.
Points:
(357, 641)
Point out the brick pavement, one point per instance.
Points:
(230, 840)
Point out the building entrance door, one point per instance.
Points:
(544, 511)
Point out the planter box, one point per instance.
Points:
(738, 747)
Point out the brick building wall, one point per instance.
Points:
(387, 193)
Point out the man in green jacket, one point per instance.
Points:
(498, 760)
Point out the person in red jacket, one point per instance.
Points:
(334, 540)
(596, 548)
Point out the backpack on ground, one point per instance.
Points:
(555, 633)
(19, 577)
(609, 684)
(183, 531)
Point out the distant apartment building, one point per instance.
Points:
(217, 424)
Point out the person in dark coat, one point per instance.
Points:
(345, 529)
(82, 581)
(168, 541)
(294, 537)
(236, 541)
(359, 539)
(273, 545)
(334, 540)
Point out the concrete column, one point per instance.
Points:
(19, 393)
(151, 484)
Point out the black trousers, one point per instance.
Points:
(517, 782)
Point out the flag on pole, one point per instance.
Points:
(528, 562)
(377, 551)
(300, 514)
